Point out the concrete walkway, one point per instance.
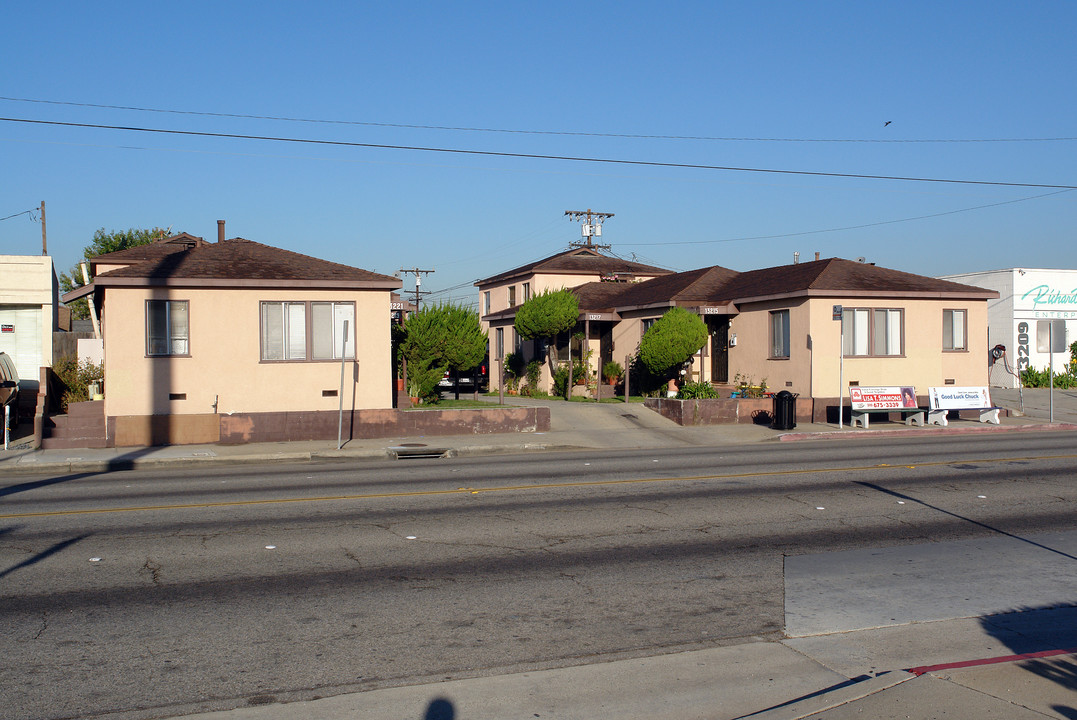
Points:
(1008, 654)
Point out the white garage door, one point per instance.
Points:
(20, 337)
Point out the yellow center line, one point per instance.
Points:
(517, 488)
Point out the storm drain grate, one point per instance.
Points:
(416, 450)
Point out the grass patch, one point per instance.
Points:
(454, 405)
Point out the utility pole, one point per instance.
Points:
(418, 281)
(44, 242)
(592, 228)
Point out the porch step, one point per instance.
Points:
(54, 443)
(82, 427)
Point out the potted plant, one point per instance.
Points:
(612, 371)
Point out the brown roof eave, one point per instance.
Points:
(391, 284)
(899, 294)
(77, 293)
(657, 305)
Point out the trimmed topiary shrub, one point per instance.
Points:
(674, 338)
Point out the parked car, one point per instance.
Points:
(9, 387)
(470, 380)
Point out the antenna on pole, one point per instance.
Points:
(591, 228)
(417, 273)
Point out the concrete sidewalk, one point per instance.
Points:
(594, 426)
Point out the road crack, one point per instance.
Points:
(44, 626)
(352, 556)
(153, 570)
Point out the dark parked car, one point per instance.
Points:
(470, 380)
(9, 387)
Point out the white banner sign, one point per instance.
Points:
(883, 398)
(959, 398)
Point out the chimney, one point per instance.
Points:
(220, 231)
(816, 254)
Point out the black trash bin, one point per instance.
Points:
(785, 414)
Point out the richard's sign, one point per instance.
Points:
(1046, 294)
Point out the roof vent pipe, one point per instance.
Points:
(220, 231)
(816, 254)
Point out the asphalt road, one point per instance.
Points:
(139, 594)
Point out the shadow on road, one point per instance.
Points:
(910, 498)
(43, 554)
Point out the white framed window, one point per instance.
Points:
(167, 328)
(954, 326)
(779, 334)
(296, 331)
(527, 291)
(873, 332)
(486, 303)
(327, 330)
(512, 295)
(887, 332)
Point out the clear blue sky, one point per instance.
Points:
(972, 91)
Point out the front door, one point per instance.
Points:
(720, 349)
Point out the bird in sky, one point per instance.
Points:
(887, 123)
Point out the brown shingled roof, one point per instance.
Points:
(717, 285)
(838, 276)
(577, 261)
(243, 262)
(150, 251)
(693, 287)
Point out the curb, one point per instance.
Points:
(917, 432)
(27, 465)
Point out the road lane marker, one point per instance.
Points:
(514, 488)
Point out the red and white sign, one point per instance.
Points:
(883, 398)
(7, 328)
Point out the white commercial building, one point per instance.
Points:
(1035, 318)
(28, 308)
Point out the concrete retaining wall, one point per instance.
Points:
(725, 411)
(278, 427)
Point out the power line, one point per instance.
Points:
(850, 227)
(634, 136)
(535, 156)
(24, 212)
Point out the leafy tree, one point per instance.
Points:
(547, 315)
(103, 243)
(674, 338)
(442, 337)
(465, 342)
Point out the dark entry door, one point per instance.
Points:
(720, 349)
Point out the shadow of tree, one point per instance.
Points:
(440, 709)
(1050, 632)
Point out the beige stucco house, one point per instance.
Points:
(237, 341)
(781, 324)
(501, 294)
